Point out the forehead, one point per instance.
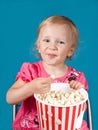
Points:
(54, 29)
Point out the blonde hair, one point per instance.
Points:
(73, 35)
(62, 20)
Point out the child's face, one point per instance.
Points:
(53, 44)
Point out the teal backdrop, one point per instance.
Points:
(19, 20)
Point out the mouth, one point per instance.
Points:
(51, 55)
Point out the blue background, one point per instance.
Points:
(19, 20)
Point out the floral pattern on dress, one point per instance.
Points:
(73, 75)
(29, 121)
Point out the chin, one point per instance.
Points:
(51, 63)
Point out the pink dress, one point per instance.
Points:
(26, 118)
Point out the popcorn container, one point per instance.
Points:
(58, 117)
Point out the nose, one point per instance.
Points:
(53, 45)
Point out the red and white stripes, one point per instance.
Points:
(58, 118)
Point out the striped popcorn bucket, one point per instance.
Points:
(53, 117)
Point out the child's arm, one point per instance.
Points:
(21, 90)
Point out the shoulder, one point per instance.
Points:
(74, 71)
(28, 65)
(31, 68)
(74, 74)
(28, 71)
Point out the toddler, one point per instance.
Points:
(57, 41)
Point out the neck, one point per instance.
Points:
(56, 70)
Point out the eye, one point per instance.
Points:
(46, 40)
(60, 42)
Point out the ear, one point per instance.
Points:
(38, 46)
(71, 51)
(38, 50)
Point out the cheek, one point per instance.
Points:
(63, 52)
(41, 48)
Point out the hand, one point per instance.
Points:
(41, 85)
(21, 90)
(76, 84)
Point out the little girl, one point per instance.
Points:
(56, 42)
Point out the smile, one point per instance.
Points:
(51, 55)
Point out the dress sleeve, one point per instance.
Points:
(83, 80)
(27, 72)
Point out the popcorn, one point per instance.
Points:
(43, 117)
(61, 108)
(52, 76)
(58, 122)
(61, 97)
(50, 114)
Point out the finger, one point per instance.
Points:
(52, 76)
(46, 80)
(72, 83)
(76, 85)
(79, 85)
(45, 90)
